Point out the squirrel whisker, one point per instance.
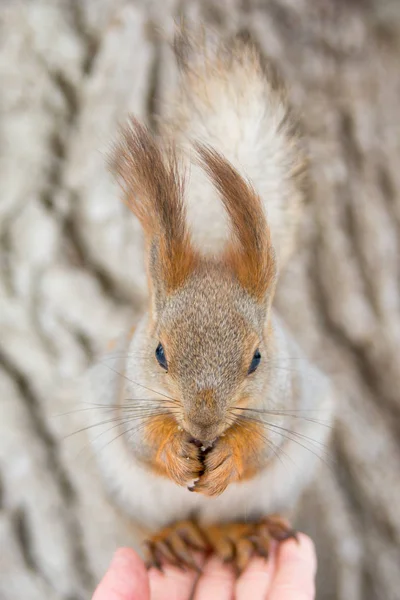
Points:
(302, 435)
(279, 448)
(118, 420)
(284, 413)
(105, 407)
(135, 382)
(273, 427)
(274, 447)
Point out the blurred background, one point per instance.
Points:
(72, 278)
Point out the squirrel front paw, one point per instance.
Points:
(181, 460)
(235, 456)
(220, 468)
(176, 456)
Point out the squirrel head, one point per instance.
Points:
(208, 315)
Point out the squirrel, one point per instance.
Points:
(210, 436)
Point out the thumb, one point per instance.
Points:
(126, 578)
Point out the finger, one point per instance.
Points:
(172, 583)
(295, 571)
(126, 578)
(217, 581)
(255, 582)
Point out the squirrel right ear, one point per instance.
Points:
(154, 190)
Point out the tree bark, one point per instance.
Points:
(72, 277)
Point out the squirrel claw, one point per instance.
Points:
(233, 543)
(237, 543)
(279, 528)
(175, 545)
(153, 560)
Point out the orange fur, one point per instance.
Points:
(233, 543)
(236, 543)
(250, 254)
(154, 190)
(235, 457)
(174, 456)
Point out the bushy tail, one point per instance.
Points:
(230, 100)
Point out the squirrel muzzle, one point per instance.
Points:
(204, 417)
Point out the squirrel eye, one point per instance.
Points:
(160, 356)
(255, 362)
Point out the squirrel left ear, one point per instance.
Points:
(154, 191)
(250, 253)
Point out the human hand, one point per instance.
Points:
(288, 575)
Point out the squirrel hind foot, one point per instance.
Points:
(238, 543)
(175, 545)
(234, 543)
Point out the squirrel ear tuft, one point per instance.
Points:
(153, 189)
(250, 253)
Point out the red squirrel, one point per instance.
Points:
(212, 431)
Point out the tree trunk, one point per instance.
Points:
(71, 268)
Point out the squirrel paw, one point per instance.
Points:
(181, 460)
(175, 545)
(231, 459)
(234, 543)
(176, 456)
(237, 543)
(220, 469)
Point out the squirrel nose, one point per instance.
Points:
(201, 434)
(203, 416)
(203, 431)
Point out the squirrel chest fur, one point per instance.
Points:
(211, 414)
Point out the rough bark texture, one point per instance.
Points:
(71, 272)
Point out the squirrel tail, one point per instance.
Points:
(231, 99)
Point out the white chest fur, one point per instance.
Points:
(155, 501)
